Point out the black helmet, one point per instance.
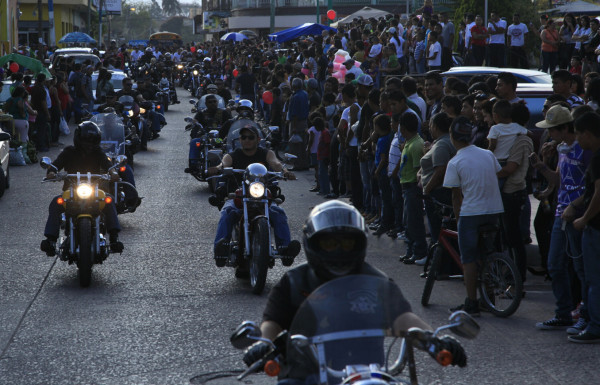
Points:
(335, 239)
(87, 135)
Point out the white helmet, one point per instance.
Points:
(245, 103)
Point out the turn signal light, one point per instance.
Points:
(444, 358)
(158, 107)
(197, 144)
(122, 169)
(108, 200)
(272, 368)
(60, 201)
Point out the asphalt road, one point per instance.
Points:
(162, 312)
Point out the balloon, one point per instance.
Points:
(339, 59)
(336, 66)
(14, 67)
(235, 73)
(267, 97)
(357, 64)
(331, 14)
(193, 49)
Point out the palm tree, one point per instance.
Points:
(171, 7)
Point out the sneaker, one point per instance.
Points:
(576, 313)
(222, 248)
(402, 236)
(470, 307)
(421, 261)
(115, 245)
(585, 337)
(578, 327)
(554, 324)
(49, 247)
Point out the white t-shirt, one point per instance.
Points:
(356, 71)
(394, 155)
(506, 134)
(316, 137)
(416, 99)
(375, 50)
(435, 47)
(398, 45)
(346, 116)
(499, 38)
(468, 34)
(474, 169)
(517, 34)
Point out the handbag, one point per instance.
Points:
(16, 157)
(64, 127)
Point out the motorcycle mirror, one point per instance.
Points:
(189, 120)
(464, 325)
(213, 132)
(303, 345)
(193, 101)
(227, 171)
(289, 157)
(273, 128)
(245, 335)
(46, 163)
(121, 160)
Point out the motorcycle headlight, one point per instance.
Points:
(142, 110)
(179, 66)
(84, 191)
(257, 190)
(195, 72)
(130, 113)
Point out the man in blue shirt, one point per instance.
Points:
(298, 116)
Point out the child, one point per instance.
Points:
(575, 65)
(323, 155)
(502, 135)
(314, 134)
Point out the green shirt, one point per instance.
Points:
(411, 159)
(392, 61)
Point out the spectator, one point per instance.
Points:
(550, 43)
(567, 45)
(517, 32)
(452, 106)
(382, 125)
(479, 35)
(497, 32)
(419, 52)
(434, 54)
(15, 106)
(448, 41)
(298, 116)
(506, 87)
(314, 134)
(40, 101)
(561, 84)
(323, 156)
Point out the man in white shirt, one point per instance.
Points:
(409, 87)
(470, 22)
(351, 69)
(434, 57)
(496, 29)
(476, 199)
(516, 35)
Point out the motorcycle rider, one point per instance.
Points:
(213, 118)
(84, 156)
(335, 244)
(244, 111)
(147, 88)
(222, 91)
(241, 158)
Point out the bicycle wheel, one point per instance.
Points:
(500, 285)
(434, 269)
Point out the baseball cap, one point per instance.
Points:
(365, 80)
(251, 128)
(349, 61)
(392, 30)
(556, 116)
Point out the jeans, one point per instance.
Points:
(565, 243)
(434, 217)
(324, 176)
(518, 58)
(42, 128)
(478, 54)
(357, 187)
(591, 261)
(549, 61)
(387, 207)
(420, 66)
(55, 210)
(398, 203)
(366, 170)
(413, 220)
(230, 215)
(497, 55)
(514, 204)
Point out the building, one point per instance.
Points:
(69, 16)
(9, 17)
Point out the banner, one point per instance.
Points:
(112, 7)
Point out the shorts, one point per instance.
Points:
(468, 235)
(313, 159)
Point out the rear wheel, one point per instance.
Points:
(500, 284)
(3, 182)
(259, 262)
(86, 256)
(434, 269)
(7, 182)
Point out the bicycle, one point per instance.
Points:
(499, 283)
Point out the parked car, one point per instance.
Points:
(522, 75)
(5, 94)
(78, 57)
(535, 95)
(4, 153)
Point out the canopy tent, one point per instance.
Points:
(576, 8)
(234, 36)
(28, 62)
(301, 30)
(77, 37)
(365, 13)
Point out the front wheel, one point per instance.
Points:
(85, 259)
(259, 262)
(434, 269)
(500, 284)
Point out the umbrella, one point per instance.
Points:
(301, 30)
(234, 36)
(28, 62)
(77, 37)
(248, 33)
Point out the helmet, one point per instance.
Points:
(335, 239)
(87, 135)
(167, 56)
(245, 103)
(148, 50)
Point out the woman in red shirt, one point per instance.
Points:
(479, 35)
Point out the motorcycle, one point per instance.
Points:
(163, 98)
(114, 144)
(252, 249)
(84, 241)
(134, 126)
(211, 151)
(349, 348)
(200, 104)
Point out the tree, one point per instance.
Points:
(171, 7)
(155, 10)
(174, 24)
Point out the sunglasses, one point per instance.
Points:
(248, 137)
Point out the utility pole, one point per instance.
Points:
(40, 29)
(318, 13)
(100, 6)
(273, 16)
(89, 19)
(51, 31)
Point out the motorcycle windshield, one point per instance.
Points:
(113, 133)
(335, 315)
(233, 137)
(202, 102)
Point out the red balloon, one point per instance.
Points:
(193, 49)
(14, 67)
(235, 73)
(331, 14)
(267, 97)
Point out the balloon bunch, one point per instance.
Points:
(340, 69)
